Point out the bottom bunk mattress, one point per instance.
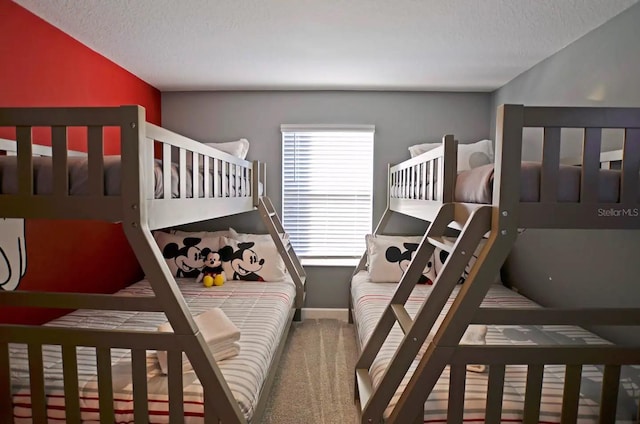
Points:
(370, 299)
(261, 311)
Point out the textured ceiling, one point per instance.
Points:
(476, 45)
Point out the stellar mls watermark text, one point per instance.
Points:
(632, 212)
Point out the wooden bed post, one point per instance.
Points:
(135, 224)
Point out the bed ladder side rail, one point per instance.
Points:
(416, 330)
(280, 238)
(136, 228)
(461, 313)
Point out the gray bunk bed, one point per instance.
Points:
(190, 182)
(413, 357)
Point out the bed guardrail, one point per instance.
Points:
(419, 186)
(157, 167)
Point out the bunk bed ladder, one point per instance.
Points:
(374, 401)
(292, 262)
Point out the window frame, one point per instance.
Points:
(356, 247)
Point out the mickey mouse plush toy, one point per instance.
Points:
(212, 273)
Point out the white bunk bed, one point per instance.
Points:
(417, 364)
(96, 364)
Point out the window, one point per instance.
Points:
(327, 178)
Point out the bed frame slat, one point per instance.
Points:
(609, 395)
(6, 407)
(36, 379)
(495, 391)
(174, 382)
(139, 378)
(195, 173)
(95, 149)
(630, 168)
(457, 376)
(226, 168)
(439, 178)
(550, 165)
(533, 394)
(166, 170)
(105, 385)
(238, 180)
(571, 393)
(217, 185)
(589, 181)
(182, 172)
(60, 161)
(71, 394)
(25, 160)
(434, 179)
(206, 177)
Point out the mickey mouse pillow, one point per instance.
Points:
(252, 260)
(389, 257)
(187, 255)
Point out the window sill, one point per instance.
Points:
(337, 262)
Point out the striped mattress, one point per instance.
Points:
(370, 299)
(260, 310)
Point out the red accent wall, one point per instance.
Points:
(43, 66)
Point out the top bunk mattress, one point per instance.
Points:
(476, 185)
(370, 300)
(78, 172)
(259, 310)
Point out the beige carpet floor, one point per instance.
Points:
(314, 382)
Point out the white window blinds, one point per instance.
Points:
(327, 177)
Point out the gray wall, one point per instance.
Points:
(574, 268)
(401, 119)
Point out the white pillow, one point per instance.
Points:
(418, 149)
(389, 256)
(475, 154)
(257, 237)
(469, 155)
(203, 234)
(238, 148)
(256, 260)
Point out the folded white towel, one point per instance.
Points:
(219, 332)
(225, 351)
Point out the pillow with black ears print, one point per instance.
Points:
(187, 256)
(440, 256)
(388, 257)
(257, 260)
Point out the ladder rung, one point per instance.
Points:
(365, 386)
(403, 317)
(442, 243)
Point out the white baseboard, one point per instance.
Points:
(341, 314)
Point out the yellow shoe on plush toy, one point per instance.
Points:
(213, 280)
(218, 280)
(208, 281)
